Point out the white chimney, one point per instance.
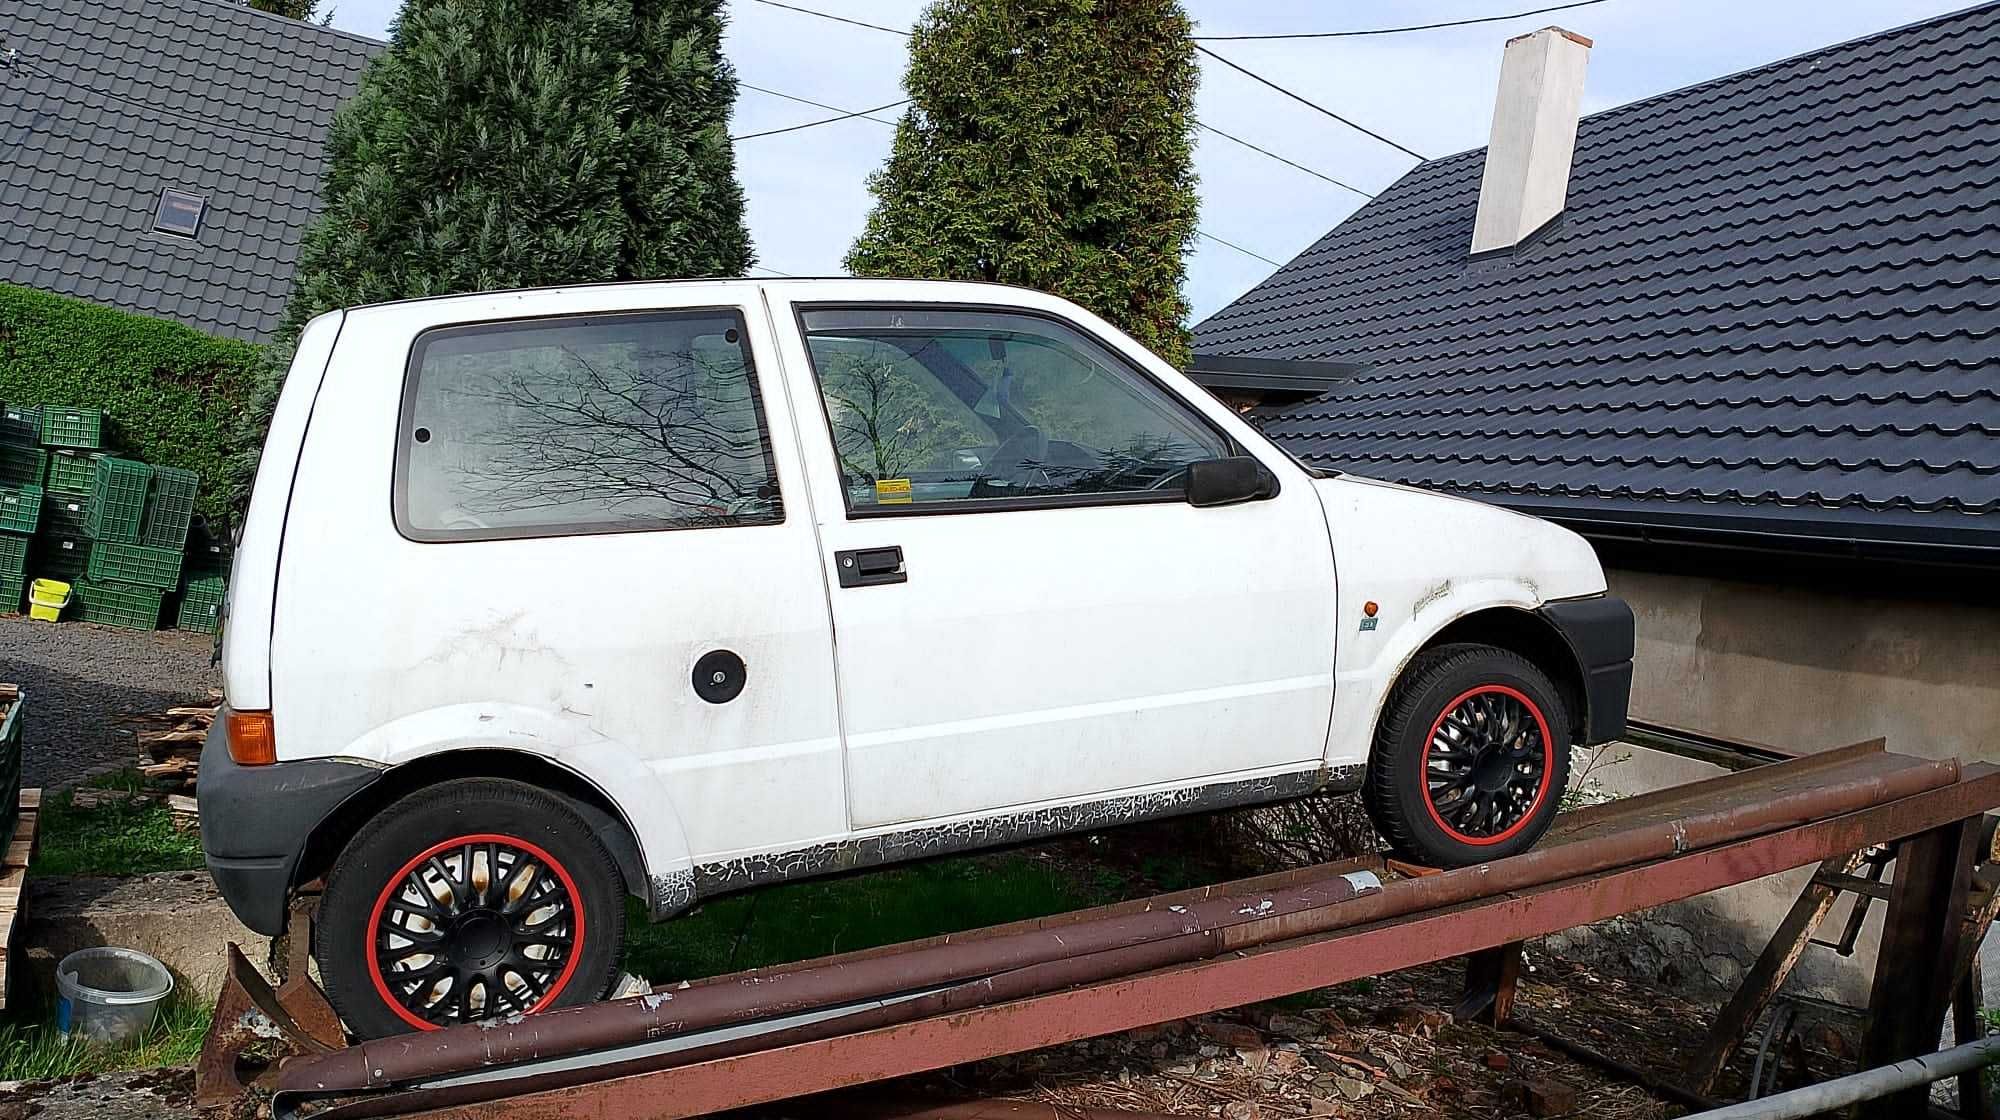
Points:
(1534, 136)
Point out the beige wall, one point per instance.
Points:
(1811, 669)
(1803, 669)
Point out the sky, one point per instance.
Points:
(1431, 91)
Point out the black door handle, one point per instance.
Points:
(866, 567)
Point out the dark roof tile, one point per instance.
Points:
(1773, 302)
(206, 96)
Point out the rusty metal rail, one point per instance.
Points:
(868, 1016)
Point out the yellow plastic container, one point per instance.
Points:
(47, 598)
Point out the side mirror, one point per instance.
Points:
(1225, 482)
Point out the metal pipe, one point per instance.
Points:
(1198, 930)
(1867, 1085)
(484, 1087)
(1650, 828)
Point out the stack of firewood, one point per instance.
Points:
(170, 753)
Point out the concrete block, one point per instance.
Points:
(177, 917)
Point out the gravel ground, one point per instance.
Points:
(84, 682)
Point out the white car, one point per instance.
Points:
(670, 589)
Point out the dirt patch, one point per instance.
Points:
(155, 1094)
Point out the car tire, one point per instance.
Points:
(548, 932)
(1471, 757)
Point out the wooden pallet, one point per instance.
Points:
(14, 879)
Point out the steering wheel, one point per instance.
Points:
(1021, 456)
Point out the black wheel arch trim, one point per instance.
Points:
(255, 821)
(258, 823)
(1601, 635)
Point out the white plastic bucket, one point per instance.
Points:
(109, 995)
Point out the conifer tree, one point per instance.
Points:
(514, 143)
(509, 143)
(1048, 143)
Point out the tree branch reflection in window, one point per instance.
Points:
(962, 404)
(607, 423)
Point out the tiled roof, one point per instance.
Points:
(109, 101)
(1772, 304)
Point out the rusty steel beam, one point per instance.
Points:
(1917, 962)
(1723, 809)
(1297, 964)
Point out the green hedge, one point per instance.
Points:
(175, 396)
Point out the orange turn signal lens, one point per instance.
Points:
(250, 740)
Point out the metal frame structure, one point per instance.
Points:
(1600, 862)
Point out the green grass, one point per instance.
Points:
(797, 921)
(128, 839)
(33, 1050)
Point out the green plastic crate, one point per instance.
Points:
(21, 465)
(200, 608)
(59, 557)
(62, 514)
(71, 471)
(117, 500)
(67, 426)
(13, 554)
(13, 592)
(21, 423)
(117, 604)
(169, 508)
(134, 563)
(20, 508)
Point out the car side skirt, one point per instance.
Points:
(706, 880)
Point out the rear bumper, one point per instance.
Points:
(255, 821)
(1600, 633)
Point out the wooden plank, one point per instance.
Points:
(14, 880)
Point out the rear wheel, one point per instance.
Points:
(464, 901)
(1470, 759)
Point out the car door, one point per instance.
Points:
(569, 523)
(1026, 609)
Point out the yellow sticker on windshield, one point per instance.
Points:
(892, 491)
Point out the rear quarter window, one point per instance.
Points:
(597, 424)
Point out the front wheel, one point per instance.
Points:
(468, 900)
(1471, 757)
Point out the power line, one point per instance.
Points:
(1259, 78)
(825, 120)
(1238, 248)
(806, 101)
(1281, 159)
(862, 113)
(835, 18)
(1399, 30)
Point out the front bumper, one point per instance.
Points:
(255, 821)
(1600, 633)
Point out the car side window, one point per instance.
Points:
(587, 424)
(946, 407)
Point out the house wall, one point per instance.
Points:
(1809, 667)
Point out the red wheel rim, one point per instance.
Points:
(429, 952)
(1488, 761)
